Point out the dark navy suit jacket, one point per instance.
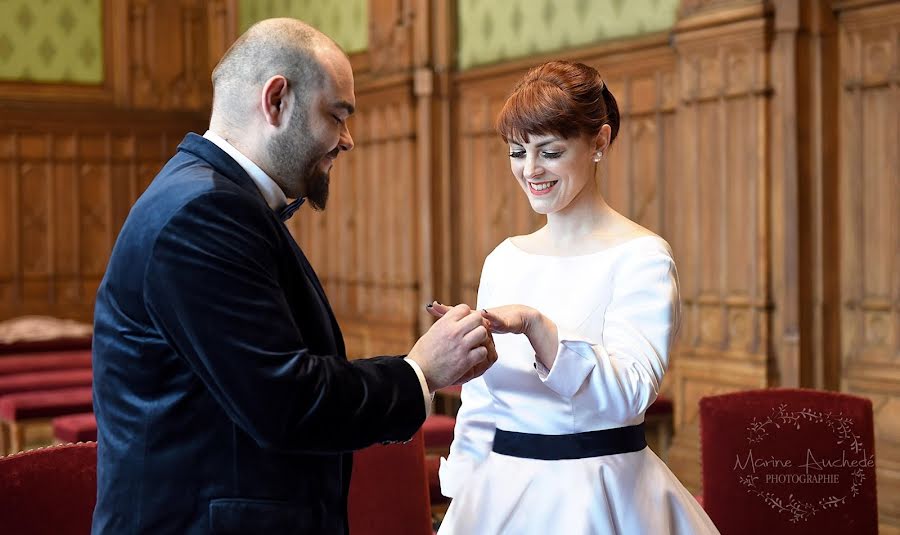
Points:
(224, 399)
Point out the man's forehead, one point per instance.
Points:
(338, 79)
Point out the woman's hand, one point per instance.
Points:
(518, 319)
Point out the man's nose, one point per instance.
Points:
(346, 141)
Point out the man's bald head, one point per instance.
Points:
(271, 47)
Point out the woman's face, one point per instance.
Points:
(552, 170)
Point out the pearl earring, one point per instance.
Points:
(598, 156)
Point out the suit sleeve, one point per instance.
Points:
(212, 290)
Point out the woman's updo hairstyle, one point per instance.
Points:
(561, 98)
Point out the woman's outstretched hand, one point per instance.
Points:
(517, 319)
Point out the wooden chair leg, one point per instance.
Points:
(17, 432)
(4, 438)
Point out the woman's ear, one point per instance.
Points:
(601, 142)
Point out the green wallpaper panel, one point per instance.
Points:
(497, 30)
(345, 21)
(51, 41)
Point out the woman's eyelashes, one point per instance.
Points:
(546, 154)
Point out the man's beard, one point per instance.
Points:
(296, 164)
(317, 187)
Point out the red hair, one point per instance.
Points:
(561, 98)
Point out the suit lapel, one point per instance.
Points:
(225, 164)
(317, 286)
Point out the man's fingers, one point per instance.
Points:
(477, 355)
(475, 337)
(471, 321)
(457, 312)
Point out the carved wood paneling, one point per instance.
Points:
(365, 245)
(721, 205)
(870, 230)
(69, 171)
(169, 59)
(67, 185)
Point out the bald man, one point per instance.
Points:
(224, 399)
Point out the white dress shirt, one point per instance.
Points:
(276, 199)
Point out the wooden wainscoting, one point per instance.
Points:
(365, 245)
(67, 181)
(869, 238)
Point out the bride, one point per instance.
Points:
(551, 438)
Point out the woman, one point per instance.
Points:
(551, 438)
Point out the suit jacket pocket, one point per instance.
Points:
(233, 516)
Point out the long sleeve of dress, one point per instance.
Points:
(621, 368)
(473, 436)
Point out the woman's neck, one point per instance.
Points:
(587, 216)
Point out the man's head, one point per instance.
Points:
(282, 95)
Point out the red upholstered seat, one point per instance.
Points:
(36, 362)
(55, 345)
(788, 461)
(389, 490)
(50, 490)
(45, 403)
(45, 380)
(75, 427)
(438, 431)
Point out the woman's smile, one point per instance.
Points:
(541, 188)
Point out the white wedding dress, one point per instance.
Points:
(616, 311)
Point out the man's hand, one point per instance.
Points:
(457, 348)
(518, 319)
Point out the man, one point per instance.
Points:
(224, 399)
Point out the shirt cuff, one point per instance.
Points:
(428, 396)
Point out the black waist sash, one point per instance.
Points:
(574, 446)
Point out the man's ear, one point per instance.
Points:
(274, 100)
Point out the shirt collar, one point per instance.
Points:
(270, 190)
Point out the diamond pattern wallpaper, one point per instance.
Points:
(345, 21)
(51, 41)
(497, 30)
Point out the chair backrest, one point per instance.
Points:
(49, 490)
(389, 490)
(789, 461)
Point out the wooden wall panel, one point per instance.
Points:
(73, 159)
(365, 244)
(66, 189)
(870, 230)
(722, 254)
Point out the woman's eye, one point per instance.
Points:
(517, 154)
(552, 155)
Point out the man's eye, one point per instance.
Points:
(338, 120)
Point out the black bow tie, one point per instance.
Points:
(289, 210)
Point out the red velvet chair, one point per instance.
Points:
(389, 490)
(49, 490)
(789, 461)
(80, 427)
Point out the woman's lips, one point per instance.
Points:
(542, 188)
